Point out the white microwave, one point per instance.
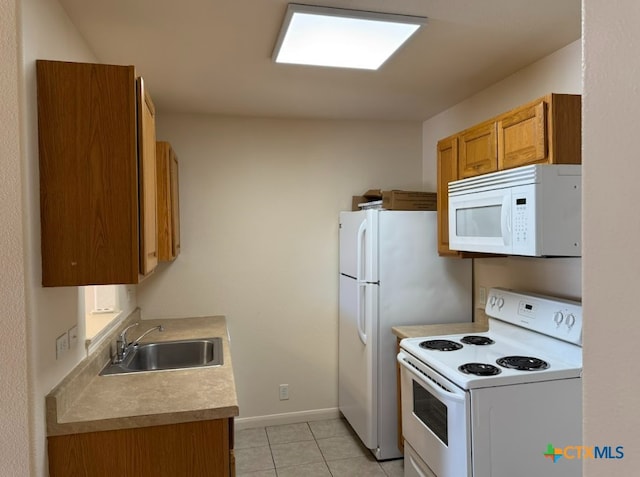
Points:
(530, 210)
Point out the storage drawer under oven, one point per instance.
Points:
(413, 465)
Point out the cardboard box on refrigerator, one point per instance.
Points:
(356, 200)
(409, 200)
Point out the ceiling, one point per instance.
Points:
(214, 56)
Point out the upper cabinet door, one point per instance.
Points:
(175, 206)
(88, 154)
(168, 202)
(522, 137)
(447, 172)
(477, 153)
(148, 179)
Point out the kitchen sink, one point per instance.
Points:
(168, 355)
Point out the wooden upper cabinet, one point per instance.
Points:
(477, 153)
(97, 216)
(447, 172)
(546, 131)
(168, 202)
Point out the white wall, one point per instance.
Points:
(14, 407)
(611, 229)
(560, 72)
(259, 203)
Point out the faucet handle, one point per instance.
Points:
(123, 333)
(122, 344)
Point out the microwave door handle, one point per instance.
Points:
(426, 382)
(505, 219)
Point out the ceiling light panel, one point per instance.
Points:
(341, 38)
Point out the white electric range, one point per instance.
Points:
(490, 404)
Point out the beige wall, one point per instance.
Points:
(14, 398)
(611, 229)
(259, 216)
(47, 33)
(560, 72)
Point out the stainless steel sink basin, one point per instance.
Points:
(166, 355)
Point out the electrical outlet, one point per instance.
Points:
(62, 344)
(284, 392)
(73, 336)
(482, 296)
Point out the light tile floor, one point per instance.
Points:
(308, 449)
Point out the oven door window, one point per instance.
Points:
(431, 412)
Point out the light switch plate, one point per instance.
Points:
(482, 298)
(62, 344)
(284, 392)
(73, 336)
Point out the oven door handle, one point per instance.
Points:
(430, 383)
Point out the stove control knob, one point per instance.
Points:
(500, 303)
(570, 321)
(558, 317)
(492, 301)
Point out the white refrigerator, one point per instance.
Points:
(390, 275)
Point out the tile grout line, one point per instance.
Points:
(324, 459)
(275, 470)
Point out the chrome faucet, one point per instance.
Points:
(135, 342)
(123, 347)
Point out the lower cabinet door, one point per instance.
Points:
(200, 448)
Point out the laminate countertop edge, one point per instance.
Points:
(417, 331)
(86, 402)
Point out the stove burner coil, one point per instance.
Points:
(479, 369)
(440, 345)
(477, 340)
(522, 363)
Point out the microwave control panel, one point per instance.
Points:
(522, 216)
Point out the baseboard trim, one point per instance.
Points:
(286, 418)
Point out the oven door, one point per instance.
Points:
(435, 418)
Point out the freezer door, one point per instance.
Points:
(359, 245)
(357, 358)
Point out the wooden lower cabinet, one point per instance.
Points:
(399, 395)
(201, 448)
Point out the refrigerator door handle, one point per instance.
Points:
(360, 250)
(360, 309)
